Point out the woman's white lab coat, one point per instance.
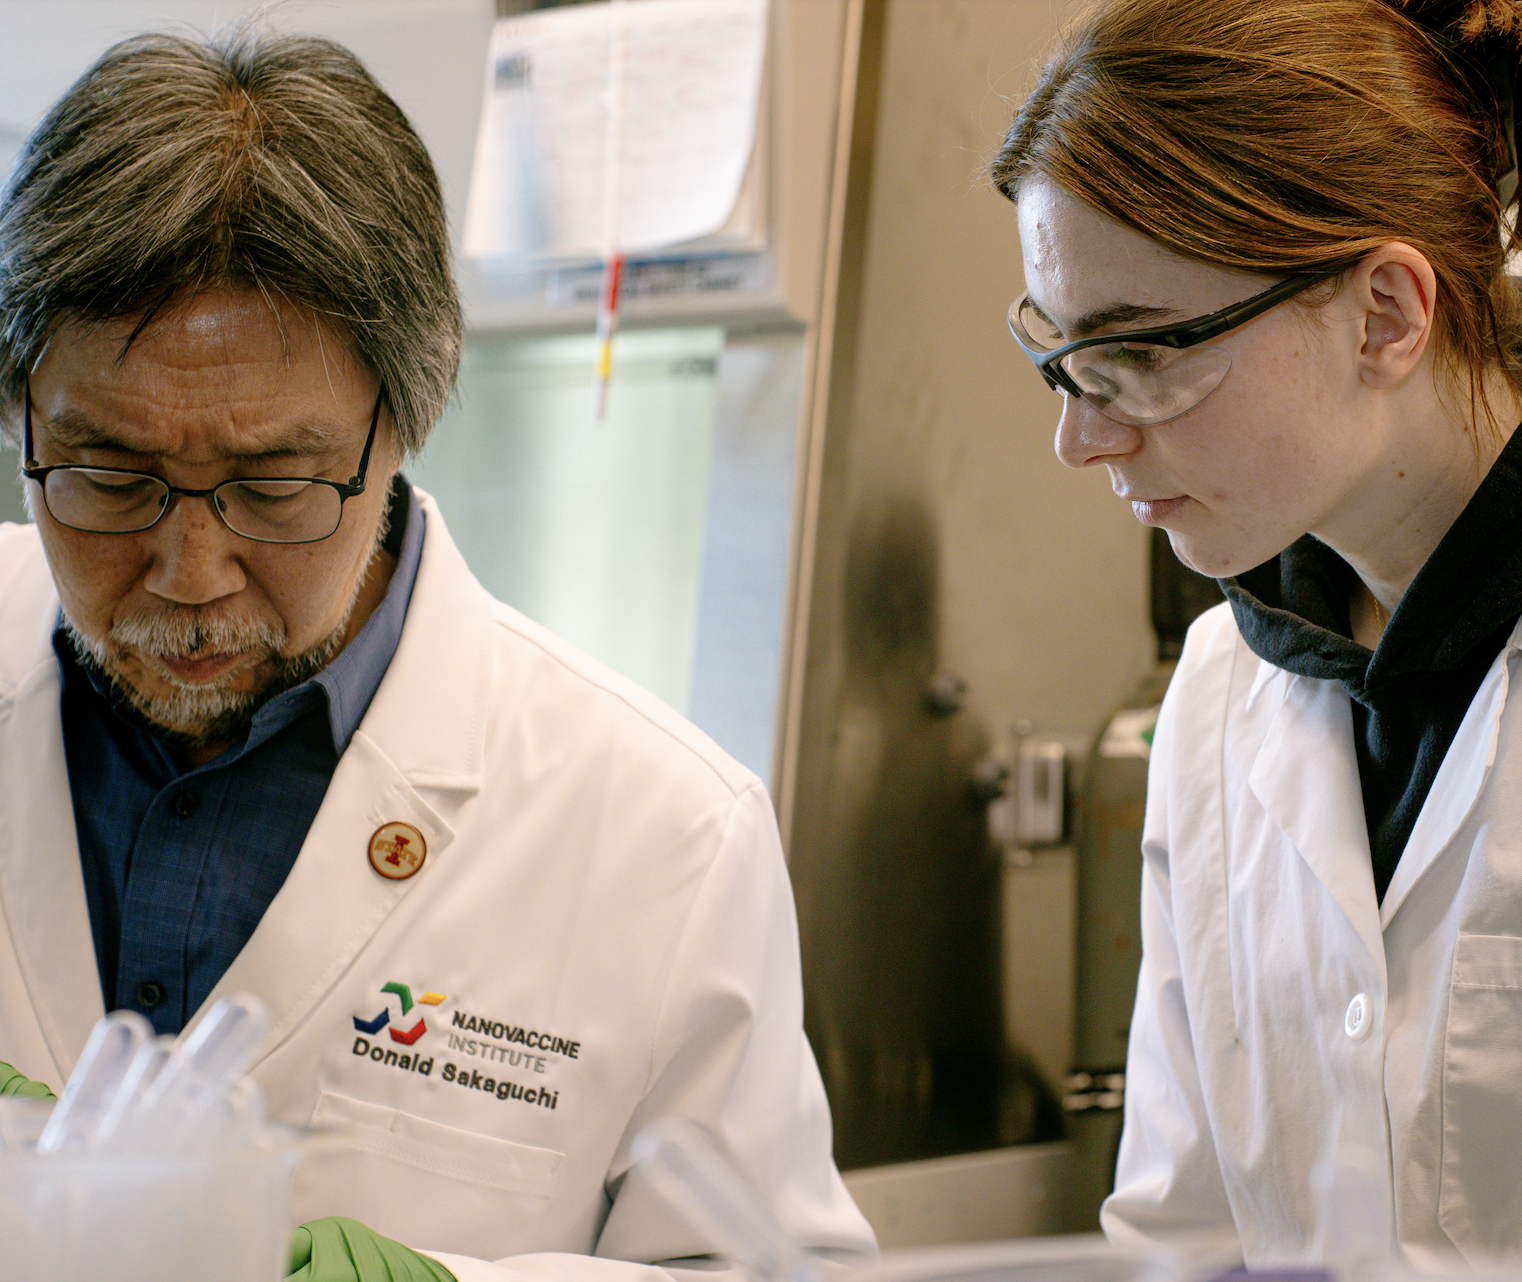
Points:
(1305, 1063)
(601, 934)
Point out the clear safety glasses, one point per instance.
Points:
(1144, 376)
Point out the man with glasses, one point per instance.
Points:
(261, 731)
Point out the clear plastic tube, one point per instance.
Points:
(186, 1103)
(120, 1125)
(76, 1120)
(215, 1054)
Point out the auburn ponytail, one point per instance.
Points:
(1468, 20)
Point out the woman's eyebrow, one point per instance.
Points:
(1096, 320)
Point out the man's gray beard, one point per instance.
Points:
(210, 713)
(201, 713)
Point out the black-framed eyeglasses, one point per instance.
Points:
(1145, 376)
(274, 509)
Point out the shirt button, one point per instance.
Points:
(186, 804)
(1359, 1021)
(149, 994)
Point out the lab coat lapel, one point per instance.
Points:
(42, 890)
(333, 901)
(1305, 776)
(416, 758)
(1456, 789)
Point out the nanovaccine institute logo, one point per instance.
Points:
(406, 1036)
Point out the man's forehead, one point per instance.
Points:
(214, 330)
(218, 376)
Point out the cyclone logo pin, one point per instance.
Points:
(397, 850)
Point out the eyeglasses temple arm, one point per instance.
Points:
(357, 481)
(28, 462)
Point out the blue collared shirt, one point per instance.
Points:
(180, 864)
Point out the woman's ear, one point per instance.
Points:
(1394, 292)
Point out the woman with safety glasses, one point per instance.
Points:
(1264, 246)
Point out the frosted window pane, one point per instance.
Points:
(738, 666)
(593, 529)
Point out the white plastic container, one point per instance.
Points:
(222, 1216)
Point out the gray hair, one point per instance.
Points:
(272, 162)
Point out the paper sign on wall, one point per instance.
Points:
(685, 83)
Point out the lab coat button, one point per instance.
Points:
(397, 850)
(1359, 1021)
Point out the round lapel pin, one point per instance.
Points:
(397, 850)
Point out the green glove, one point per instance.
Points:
(14, 1083)
(335, 1249)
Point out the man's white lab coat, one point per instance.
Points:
(601, 935)
(1305, 1063)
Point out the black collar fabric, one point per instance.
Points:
(1411, 692)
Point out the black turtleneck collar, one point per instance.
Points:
(1411, 692)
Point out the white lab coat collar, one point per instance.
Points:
(42, 889)
(1305, 776)
(427, 715)
(1282, 778)
(42, 893)
(1266, 674)
(1459, 781)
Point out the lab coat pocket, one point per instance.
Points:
(430, 1186)
(1480, 1198)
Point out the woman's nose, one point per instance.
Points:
(1086, 437)
(195, 557)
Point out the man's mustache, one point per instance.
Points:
(190, 632)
